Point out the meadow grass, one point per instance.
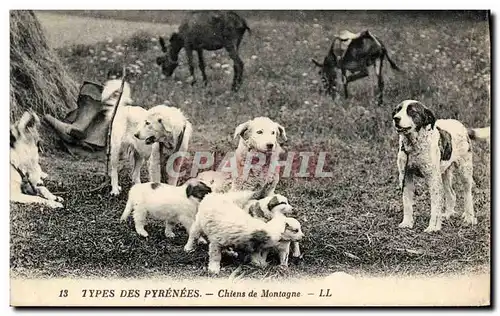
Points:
(350, 220)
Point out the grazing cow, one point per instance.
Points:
(205, 31)
(353, 53)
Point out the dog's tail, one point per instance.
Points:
(128, 209)
(479, 133)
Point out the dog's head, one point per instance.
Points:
(216, 180)
(169, 61)
(163, 124)
(269, 206)
(24, 141)
(261, 134)
(410, 116)
(197, 189)
(111, 92)
(293, 230)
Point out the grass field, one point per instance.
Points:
(350, 220)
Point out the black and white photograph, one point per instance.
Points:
(250, 157)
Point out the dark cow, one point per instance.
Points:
(205, 31)
(348, 60)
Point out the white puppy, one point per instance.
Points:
(125, 124)
(265, 208)
(26, 185)
(169, 131)
(226, 224)
(170, 204)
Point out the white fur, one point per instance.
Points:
(128, 121)
(165, 124)
(166, 203)
(226, 224)
(254, 137)
(24, 158)
(419, 148)
(125, 123)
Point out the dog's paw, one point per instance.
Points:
(214, 268)
(406, 224)
(43, 175)
(432, 229)
(469, 219)
(169, 234)
(54, 204)
(116, 191)
(297, 254)
(143, 233)
(202, 241)
(58, 198)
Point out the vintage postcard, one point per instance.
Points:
(250, 158)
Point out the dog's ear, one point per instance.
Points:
(198, 190)
(421, 115)
(273, 203)
(241, 130)
(317, 63)
(162, 44)
(12, 139)
(281, 134)
(255, 210)
(28, 120)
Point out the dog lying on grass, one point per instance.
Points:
(223, 220)
(26, 185)
(170, 204)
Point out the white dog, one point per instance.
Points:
(433, 149)
(258, 137)
(170, 204)
(226, 224)
(165, 127)
(125, 124)
(26, 185)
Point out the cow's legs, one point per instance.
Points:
(201, 62)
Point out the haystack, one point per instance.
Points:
(38, 80)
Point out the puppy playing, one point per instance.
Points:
(433, 149)
(26, 185)
(167, 203)
(265, 208)
(226, 224)
(169, 131)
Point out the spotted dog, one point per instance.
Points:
(26, 185)
(168, 203)
(432, 149)
(264, 209)
(223, 220)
